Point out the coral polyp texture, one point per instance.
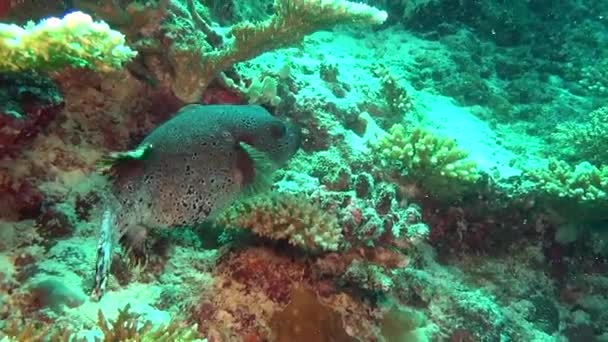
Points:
(75, 40)
(303, 170)
(433, 160)
(580, 189)
(286, 217)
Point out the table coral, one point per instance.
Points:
(197, 53)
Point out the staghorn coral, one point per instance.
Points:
(284, 216)
(433, 160)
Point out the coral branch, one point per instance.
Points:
(294, 19)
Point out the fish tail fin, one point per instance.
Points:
(104, 252)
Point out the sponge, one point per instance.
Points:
(73, 41)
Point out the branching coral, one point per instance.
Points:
(583, 184)
(433, 160)
(294, 19)
(33, 332)
(398, 102)
(283, 216)
(74, 41)
(128, 327)
(192, 52)
(587, 138)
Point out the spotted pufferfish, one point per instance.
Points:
(187, 169)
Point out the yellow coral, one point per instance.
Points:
(53, 44)
(283, 216)
(583, 182)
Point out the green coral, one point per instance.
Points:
(399, 103)
(73, 41)
(583, 183)
(586, 138)
(434, 161)
(369, 276)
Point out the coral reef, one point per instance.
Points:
(195, 63)
(433, 198)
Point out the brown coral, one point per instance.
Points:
(307, 319)
(284, 216)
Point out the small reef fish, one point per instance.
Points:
(187, 169)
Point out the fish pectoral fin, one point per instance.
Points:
(263, 170)
(106, 163)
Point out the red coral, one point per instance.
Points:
(478, 226)
(5, 6)
(53, 224)
(217, 95)
(462, 335)
(84, 205)
(258, 269)
(17, 132)
(270, 277)
(19, 199)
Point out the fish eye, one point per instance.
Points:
(278, 130)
